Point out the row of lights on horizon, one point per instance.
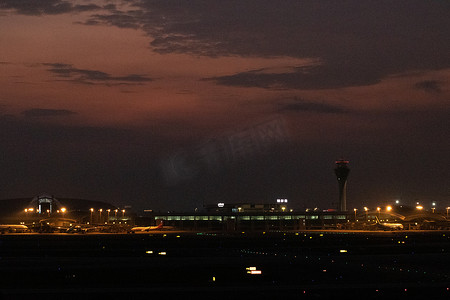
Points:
(389, 208)
(31, 210)
(92, 210)
(108, 211)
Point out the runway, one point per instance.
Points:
(306, 264)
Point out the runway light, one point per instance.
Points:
(162, 253)
(343, 251)
(149, 252)
(253, 271)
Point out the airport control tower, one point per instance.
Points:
(341, 172)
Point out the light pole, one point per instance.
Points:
(366, 210)
(63, 210)
(355, 213)
(100, 215)
(92, 210)
(379, 209)
(123, 214)
(115, 214)
(107, 220)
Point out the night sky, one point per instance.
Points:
(170, 105)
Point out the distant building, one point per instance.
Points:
(280, 206)
(28, 210)
(252, 220)
(246, 217)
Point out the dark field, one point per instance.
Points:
(413, 265)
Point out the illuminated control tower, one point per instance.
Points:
(341, 172)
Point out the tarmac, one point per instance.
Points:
(203, 265)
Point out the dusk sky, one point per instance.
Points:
(170, 105)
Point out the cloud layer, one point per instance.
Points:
(85, 76)
(358, 43)
(45, 7)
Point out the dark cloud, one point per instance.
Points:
(300, 105)
(47, 7)
(117, 18)
(316, 77)
(45, 112)
(430, 86)
(86, 76)
(359, 42)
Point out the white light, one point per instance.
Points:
(220, 204)
(253, 271)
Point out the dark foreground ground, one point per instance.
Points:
(298, 265)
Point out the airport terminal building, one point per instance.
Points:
(248, 217)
